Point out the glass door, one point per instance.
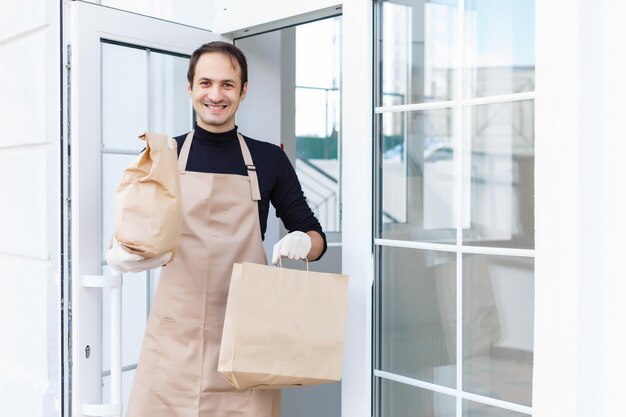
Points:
(128, 75)
(454, 292)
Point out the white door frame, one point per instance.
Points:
(91, 22)
(357, 202)
(88, 25)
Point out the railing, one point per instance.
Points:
(321, 190)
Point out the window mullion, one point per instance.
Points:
(458, 138)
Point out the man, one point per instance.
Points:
(227, 183)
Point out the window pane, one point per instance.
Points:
(417, 176)
(472, 409)
(311, 112)
(417, 291)
(318, 119)
(500, 150)
(113, 166)
(418, 49)
(124, 96)
(401, 400)
(125, 108)
(170, 107)
(433, 178)
(318, 53)
(498, 314)
(500, 47)
(319, 180)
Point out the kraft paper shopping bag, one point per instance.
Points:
(283, 327)
(147, 203)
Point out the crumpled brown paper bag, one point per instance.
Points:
(147, 203)
(283, 327)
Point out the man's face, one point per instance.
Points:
(216, 92)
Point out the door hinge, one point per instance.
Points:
(68, 67)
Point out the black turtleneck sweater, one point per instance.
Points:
(220, 153)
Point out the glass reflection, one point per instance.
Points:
(112, 169)
(170, 107)
(498, 308)
(499, 175)
(418, 49)
(472, 409)
(417, 176)
(318, 119)
(418, 314)
(124, 96)
(401, 400)
(499, 48)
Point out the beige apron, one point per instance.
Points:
(177, 371)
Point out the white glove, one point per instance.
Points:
(296, 245)
(123, 261)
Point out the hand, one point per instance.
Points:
(123, 261)
(296, 245)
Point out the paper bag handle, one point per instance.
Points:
(280, 263)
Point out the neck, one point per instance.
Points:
(216, 131)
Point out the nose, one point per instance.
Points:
(215, 94)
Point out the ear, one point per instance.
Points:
(189, 89)
(244, 91)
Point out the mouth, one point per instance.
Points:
(215, 107)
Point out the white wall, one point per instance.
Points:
(29, 213)
(580, 223)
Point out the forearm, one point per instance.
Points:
(317, 245)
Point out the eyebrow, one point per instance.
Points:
(222, 81)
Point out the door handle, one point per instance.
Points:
(114, 282)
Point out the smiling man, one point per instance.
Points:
(227, 183)
(217, 90)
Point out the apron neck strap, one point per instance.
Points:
(184, 152)
(247, 159)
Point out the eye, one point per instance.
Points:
(229, 85)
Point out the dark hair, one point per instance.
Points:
(230, 50)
